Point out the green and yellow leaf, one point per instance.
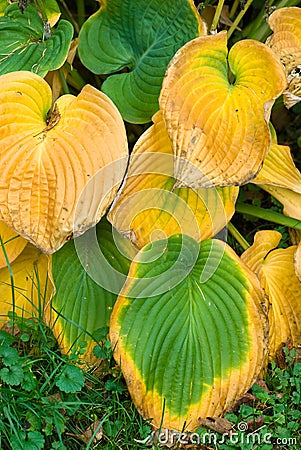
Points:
(59, 173)
(11, 244)
(88, 274)
(276, 272)
(150, 205)
(24, 46)
(219, 127)
(29, 288)
(286, 43)
(142, 37)
(188, 330)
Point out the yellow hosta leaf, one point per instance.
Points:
(12, 242)
(290, 200)
(276, 272)
(279, 169)
(219, 128)
(151, 207)
(286, 43)
(60, 173)
(30, 289)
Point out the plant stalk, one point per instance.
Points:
(64, 82)
(217, 15)
(259, 29)
(234, 8)
(269, 215)
(238, 18)
(237, 236)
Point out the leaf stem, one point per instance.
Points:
(269, 215)
(238, 18)
(64, 82)
(81, 12)
(217, 15)
(234, 8)
(237, 236)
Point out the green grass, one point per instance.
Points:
(49, 402)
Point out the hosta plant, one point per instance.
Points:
(128, 138)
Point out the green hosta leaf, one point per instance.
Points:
(141, 37)
(71, 379)
(189, 330)
(88, 274)
(23, 45)
(50, 9)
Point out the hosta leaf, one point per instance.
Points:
(50, 9)
(286, 43)
(61, 173)
(290, 200)
(29, 288)
(151, 207)
(141, 38)
(12, 242)
(217, 126)
(87, 276)
(23, 45)
(279, 169)
(188, 330)
(276, 272)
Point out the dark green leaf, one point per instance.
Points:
(23, 45)
(140, 37)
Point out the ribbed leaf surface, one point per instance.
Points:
(217, 125)
(151, 207)
(60, 170)
(140, 37)
(276, 272)
(82, 303)
(23, 45)
(189, 330)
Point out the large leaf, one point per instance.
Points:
(11, 244)
(219, 127)
(276, 272)
(60, 173)
(24, 46)
(87, 276)
(141, 38)
(151, 207)
(188, 330)
(290, 200)
(28, 289)
(286, 43)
